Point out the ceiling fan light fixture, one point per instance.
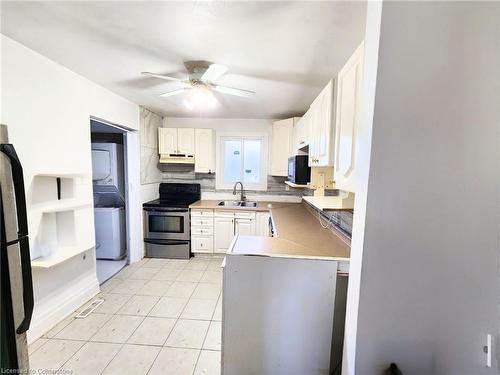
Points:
(201, 98)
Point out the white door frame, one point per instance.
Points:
(133, 208)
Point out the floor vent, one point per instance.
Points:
(89, 309)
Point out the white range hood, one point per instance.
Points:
(176, 159)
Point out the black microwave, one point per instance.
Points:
(298, 170)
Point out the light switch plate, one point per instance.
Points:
(488, 350)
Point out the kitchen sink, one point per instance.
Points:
(248, 204)
(230, 203)
(237, 204)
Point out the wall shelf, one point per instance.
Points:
(60, 255)
(343, 201)
(62, 205)
(306, 186)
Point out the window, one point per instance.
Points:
(242, 158)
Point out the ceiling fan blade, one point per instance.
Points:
(174, 92)
(161, 76)
(214, 72)
(234, 91)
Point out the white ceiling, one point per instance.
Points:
(285, 51)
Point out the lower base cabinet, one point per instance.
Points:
(278, 315)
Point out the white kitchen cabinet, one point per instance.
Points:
(322, 135)
(185, 141)
(204, 151)
(202, 230)
(244, 227)
(282, 146)
(301, 132)
(167, 141)
(348, 117)
(175, 141)
(224, 233)
(262, 224)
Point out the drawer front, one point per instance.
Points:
(203, 213)
(202, 230)
(202, 244)
(202, 221)
(235, 214)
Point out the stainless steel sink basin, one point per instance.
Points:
(237, 204)
(230, 203)
(248, 204)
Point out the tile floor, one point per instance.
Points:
(159, 316)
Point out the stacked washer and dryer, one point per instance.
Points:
(109, 200)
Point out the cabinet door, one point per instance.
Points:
(185, 141)
(348, 107)
(224, 233)
(282, 147)
(204, 151)
(262, 225)
(324, 127)
(167, 140)
(245, 227)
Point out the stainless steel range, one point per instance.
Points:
(166, 221)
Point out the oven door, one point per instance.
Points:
(167, 224)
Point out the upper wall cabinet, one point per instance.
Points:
(282, 147)
(347, 119)
(321, 125)
(302, 132)
(176, 141)
(204, 151)
(167, 141)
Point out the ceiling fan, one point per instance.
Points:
(202, 75)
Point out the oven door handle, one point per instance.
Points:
(165, 210)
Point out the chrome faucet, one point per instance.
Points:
(242, 191)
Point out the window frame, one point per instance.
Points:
(220, 162)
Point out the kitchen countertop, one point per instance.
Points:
(262, 206)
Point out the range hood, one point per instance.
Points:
(176, 159)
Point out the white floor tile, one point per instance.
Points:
(212, 277)
(175, 361)
(168, 307)
(53, 354)
(207, 291)
(190, 275)
(144, 273)
(167, 274)
(126, 272)
(178, 264)
(112, 302)
(92, 358)
(201, 309)
(213, 339)
(218, 310)
(83, 328)
(133, 360)
(152, 331)
(118, 329)
(155, 288)
(59, 326)
(33, 347)
(110, 284)
(180, 289)
(128, 286)
(188, 334)
(208, 363)
(139, 305)
(156, 262)
(200, 265)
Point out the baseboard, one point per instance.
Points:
(57, 307)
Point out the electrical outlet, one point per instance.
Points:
(487, 350)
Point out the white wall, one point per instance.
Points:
(47, 109)
(428, 281)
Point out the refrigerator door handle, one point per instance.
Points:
(22, 225)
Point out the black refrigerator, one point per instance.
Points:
(15, 262)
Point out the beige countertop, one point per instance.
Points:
(262, 206)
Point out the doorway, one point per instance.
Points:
(109, 161)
